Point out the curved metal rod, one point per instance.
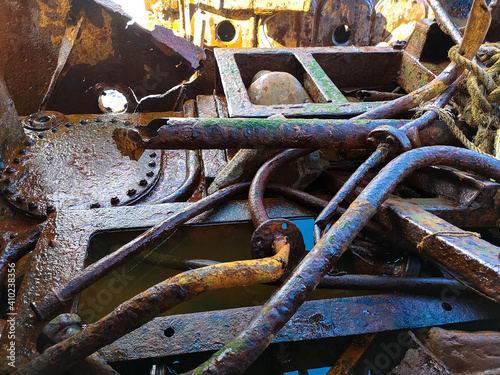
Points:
(326, 215)
(190, 183)
(54, 301)
(238, 354)
(445, 21)
(142, 308)
(261, 179)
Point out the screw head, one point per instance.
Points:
(113, 120)
(29, 143)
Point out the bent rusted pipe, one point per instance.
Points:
(261, 179)
(238, 354)
(52, 302)
(145, 306)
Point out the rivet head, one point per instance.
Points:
(10, 170)
(29, 143)
(32, 206)
(152, 155)
(126, 123)
(23, 151)
(150, 174)
(138, 126)
(152, 163)
(113, 120)
(54, 130)
(20, 200)
(98, 119)
(131, 192)
(17, 160)
(69, 124)
(95, 205)
(115, 200)
(41, 135)
(83, 121)
(50, 209)
(143, 182)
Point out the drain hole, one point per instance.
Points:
(446, 306)
(112, 100)
(169, 332)
(225, 31)
(341, 35)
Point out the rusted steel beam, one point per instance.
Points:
(52, 302)
(261, 179)
(145, 306)
(238, 354)
(467, 255)
(317, 319)
(220, 133)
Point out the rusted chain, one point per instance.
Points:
(238, 354)
(54, 301)
(261, 179)
(145, 306)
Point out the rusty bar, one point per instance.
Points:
(222, 133)
(238, 354)
(466, 255)
(327, 213)
(56, 300)
(261, 179)
(17, 248)
(145, 306)
(352, 355)
(419, 285)
(190, 183)
(445, 21)
(376, 96)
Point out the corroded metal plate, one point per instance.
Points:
(76, 165)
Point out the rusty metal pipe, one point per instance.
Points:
(145, 306)
(54, 301)
(238, 354)
(445, 21)
(261, 179)
(376, 96)
(327, 213)
(190, 183)
(420, 285)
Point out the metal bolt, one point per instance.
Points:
(115, 200)
(143, 182)
(50, 209)
(98, 119)
(69, 124)
(152, 155)
(41, 135)
(95, 205)
(20, 200)
(32, 206)
(131, 192)
(54, 130)
(113, 120)
(152, 163)
(138, 126)
(17, 160)
(126, 123)
(150, 174)
(23, 151)
(83, 121)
